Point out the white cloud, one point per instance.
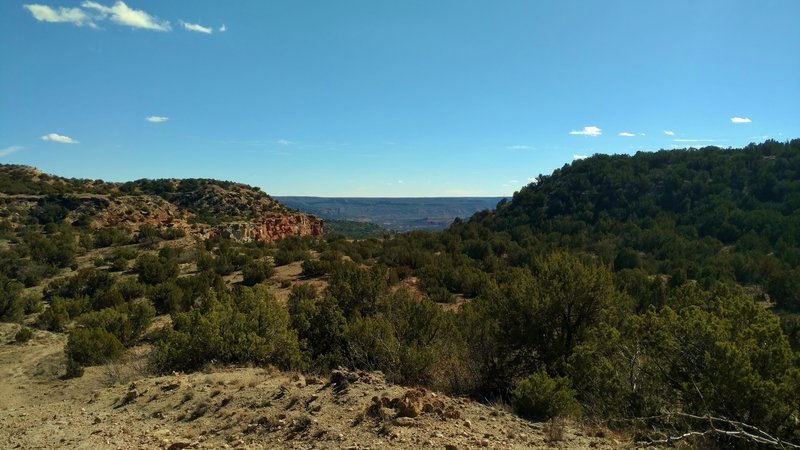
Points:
(156, 119)
(9, 150)
(740, 120)
(669, 133)
(44, 13)
(53, 137)
(196, 27)
(121, 14)
(519, 147)
(283, 142)
(626, 134)
(588, 131)
(223, 28)
(576, 157)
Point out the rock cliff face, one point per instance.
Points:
(273, 228)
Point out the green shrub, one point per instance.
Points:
(256, 272)
(126, 322)
(74, 369)
(320, 326)
(441, 295)
(91, 346)
(131, 289)
(154, 270)
(315, 268)
(542, 397)
(108, 236)
(284, 257)
(118, 265)
(126, 253)
(11, 305)
(243, 325)
(106, 299)
(23, 335)
(56, 317)
(32, 304)
(167, 297)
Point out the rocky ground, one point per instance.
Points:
(120, 406)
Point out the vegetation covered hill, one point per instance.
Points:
(707, 214)
(646, 292)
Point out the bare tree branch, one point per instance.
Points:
(719, 426)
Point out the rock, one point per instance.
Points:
(451, 413)
(484, 442)
(177, 445)
(130, 396)
(450, 447)
(467, 423)
(272, 227)
(171, 386)
(404, 422)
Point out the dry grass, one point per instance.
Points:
(554, 429)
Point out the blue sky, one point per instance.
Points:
(380, 98)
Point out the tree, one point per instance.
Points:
(154, 270)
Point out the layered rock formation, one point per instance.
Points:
(273, 228)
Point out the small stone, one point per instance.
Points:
(177, 445)
(467, 423)
(484, 442)
(404, 422)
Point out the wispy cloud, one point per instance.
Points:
(669, 133)
(156, 119)
(588, 131)
(53, 137)
(122, 14)
(197, 27)
(283, 142)
(519, 147)
(576, 157)
(223, 28)
(627, 134)
(9, 150)
(740, 120)
(44, 13)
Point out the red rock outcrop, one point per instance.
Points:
(273, 228)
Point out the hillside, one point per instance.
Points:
(704, 214)
(118, 406)
(643, 295)
(396, 214)
(199, 207)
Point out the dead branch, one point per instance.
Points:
(719, 426)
